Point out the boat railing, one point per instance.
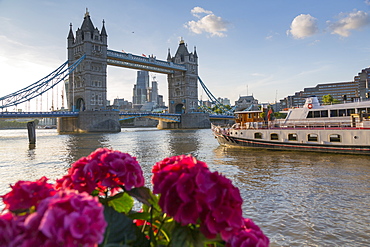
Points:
(299, 124)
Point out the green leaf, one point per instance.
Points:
(121, 230)
(122, 204)
(142, 194)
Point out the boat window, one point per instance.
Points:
(292, 137)
(258, 135)
(309, 115)
(350, 111)
(274, 136)
(316, 114)
(312, 137)
(333, 113)
(335, 138)
(359, 110)
(342, 113)
(324, 113)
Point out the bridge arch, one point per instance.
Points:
(179, 108)
(80, 104)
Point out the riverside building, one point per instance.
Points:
(358, 89)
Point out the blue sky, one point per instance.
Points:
(268, 48)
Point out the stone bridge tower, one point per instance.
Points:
(183, 86)
(87, 87)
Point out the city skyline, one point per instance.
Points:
(270, 49)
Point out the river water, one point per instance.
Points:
(298, 199)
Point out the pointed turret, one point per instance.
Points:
(87, 25)
(103, 32)
(169, 58)
(195, 52)
(182, 51)
(70, 35)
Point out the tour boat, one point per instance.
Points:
(336, 128)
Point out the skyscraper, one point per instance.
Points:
(140, 93)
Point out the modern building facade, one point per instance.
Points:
(358, 89)
(140, 92)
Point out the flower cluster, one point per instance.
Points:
(70, 212)
(248, 235)
(68, 218)
(191, 193)
(101, 170)
(26, 194)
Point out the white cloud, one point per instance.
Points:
(209, 23)
(303, 26)
(349, 21)
(367, 2)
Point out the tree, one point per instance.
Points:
(328, 100)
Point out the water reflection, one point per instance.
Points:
(183, 142)
(81, 145)
(31, 151)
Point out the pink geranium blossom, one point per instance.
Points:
(249, 235)
(27, 194)
(101, 170)
(69, 218)
(190, 193)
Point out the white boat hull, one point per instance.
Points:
(354, 141)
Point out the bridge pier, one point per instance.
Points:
(90, 121)
(194, 120)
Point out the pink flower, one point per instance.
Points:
(70, 219)
(10, 228)
(249, 235)
(101, 170)
(26, 194)
(190, 193)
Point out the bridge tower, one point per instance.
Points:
(183, 86)
(87, 88)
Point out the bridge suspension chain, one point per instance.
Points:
(39, 87)
(214, 99)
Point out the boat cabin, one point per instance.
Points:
(242, 117)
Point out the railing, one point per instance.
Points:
(38, 114)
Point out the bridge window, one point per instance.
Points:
(93, 98)
(274, 136)
(292, 137)
(258, 135)
(312, 137)
(335, 138)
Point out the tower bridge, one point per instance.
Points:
(88, 58)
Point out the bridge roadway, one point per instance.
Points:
(167, 117)
(150, 63)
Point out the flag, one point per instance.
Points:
(269, 114)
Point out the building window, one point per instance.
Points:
(258, 135)
(335, 138)
(292, 137)
(312, 137)
(274, 136)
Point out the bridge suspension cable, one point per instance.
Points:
(39, 87)
(214, 99)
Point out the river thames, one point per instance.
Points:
(298, 199)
